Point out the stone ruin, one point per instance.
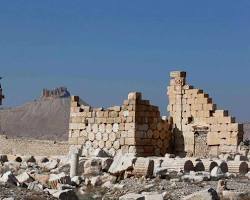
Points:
(199, 128)
(55, 93)
(195, 127)
(135, 127)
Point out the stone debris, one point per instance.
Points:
(93, 167)
(143, 167)
(24, 178)
(217, 173)
(208, 194)
(146, 178)
(122, 163)
(35, 186)
(132, 152)
(132, 196)
(52, 164)
(8, 177)
(56, 179)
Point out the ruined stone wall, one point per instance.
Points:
(153, 134)
(32, 147)
(134, 127)
(193, 111)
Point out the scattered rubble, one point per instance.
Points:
(124, 177)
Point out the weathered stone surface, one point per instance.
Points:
(143, 167)
(24, 178)
(52, 164)
(106, 163)
(76, 180)
(63, 194)
(35, 186)
(153, 196)
(8, 177)
(122, 163)
(208, 194)
(100, 153)
(56, 179)
(132, 196)
(217, 173)
(93, 167)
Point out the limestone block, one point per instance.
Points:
(110, 120)
(129, 126)
(105, 137)
(81, 140)
(108, 144)
(116, 145)
(95, 144)
(221, 113)
(134, 95)
(197, 106)
(101, 144)
(99, 136)
(226, 119)
(109, 128)
(143, 167)
(130, 141)
(75, 109)
(122, 141)
(115, 127)
(112, 136)
(233, 127)
(75, 98)
(175, 74)
(91, 136)
(102, 128)
(213, 138)
(209, 106)
(132, 196)
(129, 119)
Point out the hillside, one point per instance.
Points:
(46, 118)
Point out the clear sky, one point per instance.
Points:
(101, 50)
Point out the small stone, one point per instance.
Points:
(24, 178)
(132, 196)
(35, 186)
(76, 180)
(217, 173)
(208, 194)
(8, 177)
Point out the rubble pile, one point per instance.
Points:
(110, 177)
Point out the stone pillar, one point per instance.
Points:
(74, 162)
(175, 108)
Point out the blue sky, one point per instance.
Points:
(101, 50)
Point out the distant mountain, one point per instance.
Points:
(45, 118)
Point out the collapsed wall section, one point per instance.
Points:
(195, 115)
(135, 127)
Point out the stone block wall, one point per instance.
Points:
(134, 127)
(194, 112)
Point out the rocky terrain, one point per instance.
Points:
(122, 177)
(46, 118)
